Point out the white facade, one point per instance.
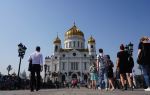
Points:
(73, 60)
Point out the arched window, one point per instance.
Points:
(69, 44)
(85, 66)
(55, 67)
(74, 66)
(74, 44)
(63, 67)
(66, 45)
(81, 45)
(78, 44)
(56, 48)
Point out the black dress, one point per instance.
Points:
(130, 64)
(123, 61)
(109, 69)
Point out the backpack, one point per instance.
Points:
(101, 61)
(92, 69)
(144, 56)
(146, 53)
(110, 64)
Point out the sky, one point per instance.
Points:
(37, 22)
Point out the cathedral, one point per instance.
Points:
(72, 61)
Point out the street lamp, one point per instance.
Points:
(45, 68)
(126, 48)
(21, 50)
(129, 48)
(130, 45)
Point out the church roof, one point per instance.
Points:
(91, 40)
(74, 31)
(57, 40)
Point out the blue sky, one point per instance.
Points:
(36, 22)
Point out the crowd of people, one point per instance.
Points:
(12, 82)
(101, 72)
(102, 75)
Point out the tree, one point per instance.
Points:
(9, 68)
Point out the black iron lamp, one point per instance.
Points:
(130, 46)
(21, 50)
(45, 69)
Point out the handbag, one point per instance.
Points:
(30, 65)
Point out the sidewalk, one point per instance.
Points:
(82, 91)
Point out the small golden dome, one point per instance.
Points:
(74, 31)
(91, 40)
(57, 40)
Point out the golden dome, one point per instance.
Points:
(57, 40)
(74, 31)
(91, 40)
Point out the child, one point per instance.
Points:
(93, 74)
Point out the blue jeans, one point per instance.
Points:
(103, 79)
(146, 74)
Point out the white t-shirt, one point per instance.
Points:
(37, 58)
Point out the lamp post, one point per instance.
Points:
(129, 48)
(130, 45)
(126, 48)
(49, 72)
(21, 50)
(45, 68)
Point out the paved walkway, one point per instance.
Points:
(82, 91)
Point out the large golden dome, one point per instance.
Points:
(91, 40)
(57, 40)
(74, 31)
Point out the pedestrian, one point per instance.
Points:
(134, 79)
(129, 68)
(109, 70)
(122, 61)
(93, 74)
(144, 54)
(101, 70)
(117, 79)
(36, 68)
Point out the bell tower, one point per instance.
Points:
(57, 45)
(91, 46)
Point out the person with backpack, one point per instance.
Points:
(144, 59)
(109, 70)
(117, 79)
(101, 70)
(93, 74)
